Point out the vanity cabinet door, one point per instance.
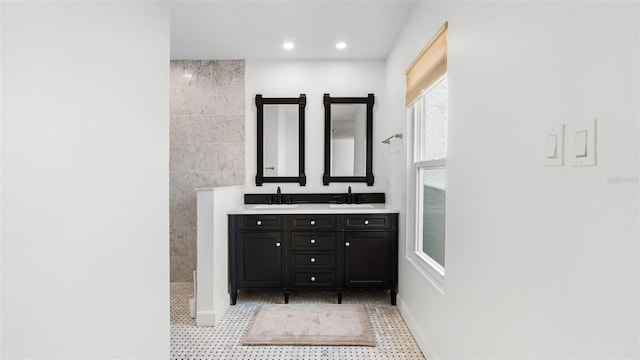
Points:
(366, 259)
(259, 259)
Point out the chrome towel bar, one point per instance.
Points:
(388, 140)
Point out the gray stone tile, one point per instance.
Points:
(202, 179)
(179, 241)
(192, 100)
(178, 73)
(230, 157)
(192, 72)
(182, 213)
(182, 207)
(182, 157)
(202, 72)
(192, 243)
(179, 185)
(177, 102)
(201, 100)
(191, 258)
(228, 178)
(229, 129)
(217, 129)
(202, 128)
(205, 157)
(228, 73)
(173, 268)
(183, 268)
(230, 101)
(207, 125)
(178, 129)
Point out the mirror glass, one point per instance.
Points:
(348, 132)
(280, 140)
(348, 139)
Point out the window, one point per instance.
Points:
(427, 103)
(429, 171)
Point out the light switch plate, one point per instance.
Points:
(581, 143)
(554, 146)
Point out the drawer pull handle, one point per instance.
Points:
(313, 260)
(313, 241)
(259, 222)
(347, 244)
(366, 222)
(313, 222)
(313, 278)
(278, 244)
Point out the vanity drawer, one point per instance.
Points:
(258, 222)
(313, 222)
(366, 222)
(313, 278)
(313, 259)
(313, 241)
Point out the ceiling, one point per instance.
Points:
(244, 29)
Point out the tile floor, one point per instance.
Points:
(189, 342)
(181, 292)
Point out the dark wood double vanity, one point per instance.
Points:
(326, 241)
(329, 251)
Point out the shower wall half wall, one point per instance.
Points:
(207, 145)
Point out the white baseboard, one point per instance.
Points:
(416, 331)
(211, 318)
(205, 318)
(221, 309)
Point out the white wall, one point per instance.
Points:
(351, 78)
(212, 298)
(541, 262)
(85, 186)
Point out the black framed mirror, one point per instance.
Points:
(280, 140)
(348, 133)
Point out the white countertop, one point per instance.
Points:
(314, 209)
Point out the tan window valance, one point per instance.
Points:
(429, 66)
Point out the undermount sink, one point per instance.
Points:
(351, 206)
(276, 206)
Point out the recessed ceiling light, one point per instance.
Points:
(288, 45)
(341, 45)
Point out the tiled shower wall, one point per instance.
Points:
(207, 145)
